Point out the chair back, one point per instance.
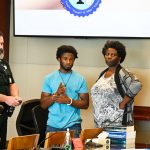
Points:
(90, 133)
(24, 122)
(1, 109)
(27, 142)
(56, 139)
(40, 117)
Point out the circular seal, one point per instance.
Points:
(81, 7)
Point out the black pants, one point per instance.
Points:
(3, 131)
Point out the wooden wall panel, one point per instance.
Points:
(5, 23)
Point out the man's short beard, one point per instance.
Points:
(66, 69)
(1, 53)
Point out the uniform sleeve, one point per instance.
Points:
(130, 83)
(9, 73)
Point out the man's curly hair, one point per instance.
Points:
(66, 49)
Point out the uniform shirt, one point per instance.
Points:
(6, 78)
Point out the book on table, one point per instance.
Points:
(121, 135)
(122, 141)
(120, 128)
(122, 146)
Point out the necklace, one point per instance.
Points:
(65, 84)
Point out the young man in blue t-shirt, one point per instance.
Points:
(64, 93)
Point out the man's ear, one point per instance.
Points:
(58, 59)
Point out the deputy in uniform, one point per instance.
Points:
(9, 94)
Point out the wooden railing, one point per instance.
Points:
(142, 113)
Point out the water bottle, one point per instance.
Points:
(68, 141)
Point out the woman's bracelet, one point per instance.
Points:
(70, 101)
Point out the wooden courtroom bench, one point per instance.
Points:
(142, 113)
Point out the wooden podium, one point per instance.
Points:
(90, 133)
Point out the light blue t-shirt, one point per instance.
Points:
(63, 115)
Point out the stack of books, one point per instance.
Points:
(121, 137)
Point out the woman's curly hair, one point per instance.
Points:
(118, 46)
